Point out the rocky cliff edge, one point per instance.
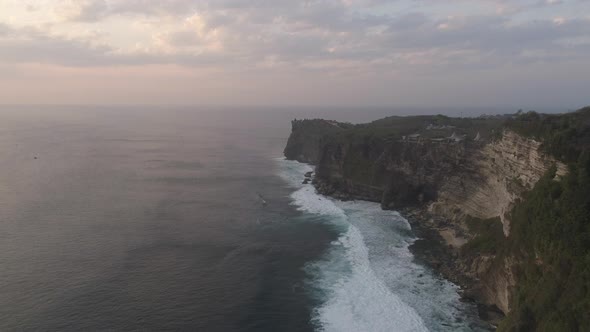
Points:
(456, 173)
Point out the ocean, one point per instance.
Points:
(180, 219)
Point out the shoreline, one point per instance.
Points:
(432, 250)
(437, 246)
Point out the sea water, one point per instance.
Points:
(167, 219)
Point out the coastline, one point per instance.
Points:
(489, 205)
(431, 249)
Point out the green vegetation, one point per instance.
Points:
(362, 144)
(564, 136)
(488, 236)
(394, 127)
(550, 231)
(551, 236)
(397, 126)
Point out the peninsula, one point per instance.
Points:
(502, 202)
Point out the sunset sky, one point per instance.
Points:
(513, 53)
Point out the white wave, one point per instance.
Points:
(307, 200)
(357, 300)
(388, 237)
(293, 171)
(360, 301)
(368, 281)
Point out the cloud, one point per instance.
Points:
(82, 10)
(347, 38)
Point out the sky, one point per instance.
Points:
(415, 53)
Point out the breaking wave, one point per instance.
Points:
(368, 280)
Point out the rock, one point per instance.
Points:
(304, 142)
(444, 183)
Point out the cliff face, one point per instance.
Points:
(396, 174)
(304, 142)
(475, 179)
(491, 211)
(492, 178)
(453, 181)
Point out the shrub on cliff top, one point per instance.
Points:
(564, 136)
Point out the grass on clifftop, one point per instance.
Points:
(396, 126)
(564, 136)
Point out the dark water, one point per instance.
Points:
(123, 219)
(133, 219)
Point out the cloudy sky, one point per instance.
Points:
(513, 53)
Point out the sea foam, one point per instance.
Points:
(357, 300)
(368, 280)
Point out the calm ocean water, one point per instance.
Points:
(152, 219)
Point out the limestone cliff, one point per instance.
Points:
(304, 141)
(481, 180)
(496, 209)
(492, 178)
(452, 180)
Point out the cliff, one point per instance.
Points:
(455, 181)
(492, 177)
(304, 141)
(465, 176)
